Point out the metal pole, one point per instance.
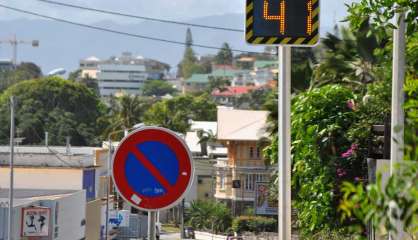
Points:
(398, 99)
(109, 161)
(182, 219)
(284, 143)
(151, 225)
(11, 187)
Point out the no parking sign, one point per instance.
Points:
(152, 168)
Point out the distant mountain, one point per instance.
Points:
(63, 45)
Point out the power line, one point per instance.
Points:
(141, 17)
(120, 32)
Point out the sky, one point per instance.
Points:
(167, 9)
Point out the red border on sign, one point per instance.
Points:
(175, 192)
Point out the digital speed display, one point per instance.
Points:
(291, 22)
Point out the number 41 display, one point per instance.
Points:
(290, 22)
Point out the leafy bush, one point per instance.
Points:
(209, 216)
(254, 224)
(322, 154)
(326, 234)
(373, 202)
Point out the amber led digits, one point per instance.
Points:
(280, 17)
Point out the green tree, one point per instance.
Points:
(157, 88)
(53, 105)
(381, 12)
(218, 83)
(124, 112)
(189, 64)
(74, 75)
(175, 113)
(224, 56)
(24, 71)
(349, 59)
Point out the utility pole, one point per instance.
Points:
(11, 183)
(14, 42)
(398, 99)
(284, 165)
(182, 219)
(109, 161)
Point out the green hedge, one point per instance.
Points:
(254, 224)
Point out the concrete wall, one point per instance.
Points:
(43, 178)
(93, 220)
(70, 216)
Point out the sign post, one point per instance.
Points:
(398, 99)
(152, 170)
(285, 23)
(285, 161)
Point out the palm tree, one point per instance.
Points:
(348, 58)
(126, 111)
(205, 137)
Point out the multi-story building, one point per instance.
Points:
(88, 67)
(125, 74)
(6, 65)
(237, 175)
(114, 78)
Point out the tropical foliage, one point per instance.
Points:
(60, 107)
(209, 215)
(175, 113)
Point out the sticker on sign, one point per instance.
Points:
(35, 222)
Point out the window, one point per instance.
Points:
(249, 182)
(258, 153)
(222, 181)
(251, 152)
(251, 179)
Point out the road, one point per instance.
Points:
(170, 236)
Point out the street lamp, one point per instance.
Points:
(109, 162)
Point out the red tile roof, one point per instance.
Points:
(233, 91)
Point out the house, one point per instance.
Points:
(264, 71)
(204, 155)
(229, 95)
(196, 83)
(237, 174)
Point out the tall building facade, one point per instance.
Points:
(114, 78)
(125, 74)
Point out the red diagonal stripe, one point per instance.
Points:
(151, 168)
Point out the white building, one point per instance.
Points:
(123, 75)
(64, 218)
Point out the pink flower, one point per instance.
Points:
(351, 104)
(357, 179)
(341, 172)
(347, 154)
(350, 151)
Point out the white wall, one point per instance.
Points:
(71, 212)
(43, 178)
